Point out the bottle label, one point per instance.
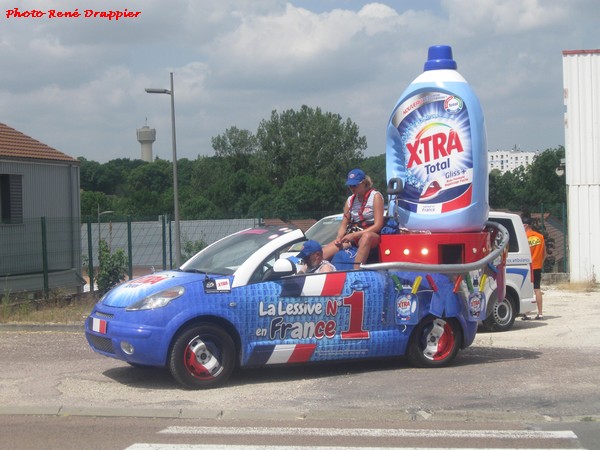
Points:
(435, 134)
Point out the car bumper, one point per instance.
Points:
(130, 342)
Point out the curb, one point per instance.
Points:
(41, 327)
(382, 416)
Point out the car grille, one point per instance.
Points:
(103, 315)
(102, 344)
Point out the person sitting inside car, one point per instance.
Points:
(312, 255)
(362, 221)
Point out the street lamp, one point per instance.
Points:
(100, 240)
(560, 170)
(101, 214)
(171, 92)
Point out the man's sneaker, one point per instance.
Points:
(539, 317)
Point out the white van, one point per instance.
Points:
(519, 298)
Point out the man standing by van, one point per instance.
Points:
(537, 246)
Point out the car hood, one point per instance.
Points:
(130, 292)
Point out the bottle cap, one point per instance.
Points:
(440, 57)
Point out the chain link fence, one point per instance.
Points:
(46, 253)
(150, 243)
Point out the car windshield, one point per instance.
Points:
(325, 230)
(226, 255)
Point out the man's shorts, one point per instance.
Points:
(537, 278)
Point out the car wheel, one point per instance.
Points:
(202, 357)
(434, 342)
(503, 315)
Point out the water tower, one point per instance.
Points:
(146, 136)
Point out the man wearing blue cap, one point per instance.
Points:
(362, 221)
(312, 255)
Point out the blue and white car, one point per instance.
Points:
(237, 303)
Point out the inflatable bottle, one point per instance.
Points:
(436, 151)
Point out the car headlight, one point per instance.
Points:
(158, 300)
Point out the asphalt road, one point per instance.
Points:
(539, 371)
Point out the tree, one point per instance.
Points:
(92, 201)
(308, 143)
(544, 186)
(528, 189)
(88, 173)
(374, 166)
(506, 191)
(301, 196)
(150, 189)
(234, 142)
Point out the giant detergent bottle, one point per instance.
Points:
(436, 151)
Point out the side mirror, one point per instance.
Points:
(282, 268)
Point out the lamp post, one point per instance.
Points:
(171, 92)
(100, 239)
(101, 214)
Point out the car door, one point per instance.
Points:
(319, 317)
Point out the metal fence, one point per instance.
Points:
(50, 248)
(39, 244)
(150, 243)
(46, 253)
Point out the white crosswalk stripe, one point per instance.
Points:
(286, 447)
(372, 432)
(539, 437)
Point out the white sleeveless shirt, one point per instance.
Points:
(368, 212)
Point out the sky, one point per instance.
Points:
(78, 83)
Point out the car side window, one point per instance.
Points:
(263, 268)
(513, 242)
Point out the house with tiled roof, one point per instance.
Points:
(40, 243)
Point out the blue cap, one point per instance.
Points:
(440, 57)
(355, 176)
(309, 248)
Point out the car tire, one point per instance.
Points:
(503, 314)
(202, 357)
(434, 342)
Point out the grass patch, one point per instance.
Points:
(57, 308)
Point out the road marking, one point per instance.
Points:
(370, 432)
(287, 447)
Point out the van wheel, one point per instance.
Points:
(434, 342)
(503, 314)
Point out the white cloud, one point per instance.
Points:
(78, 85)
(508, 16)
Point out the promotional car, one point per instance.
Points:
(238, 303)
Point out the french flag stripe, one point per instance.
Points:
(291, 353)
(313, 285)
(334, 285)
(324, 285)
(292, 286)
(302, 353)
(281, 354)
(99, 325)
(260, 355)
